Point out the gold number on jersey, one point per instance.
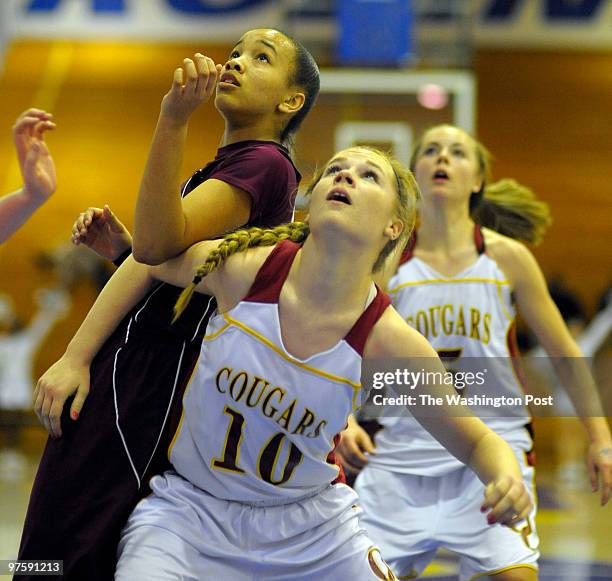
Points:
(268, 457)
(231, 448)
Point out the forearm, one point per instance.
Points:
(126, 287)
(492, 458)
(576, 377)
(159, 222)
(15, 209)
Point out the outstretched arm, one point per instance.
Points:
(37, 169)
(165, 224)
(542, 316)
(461, 433)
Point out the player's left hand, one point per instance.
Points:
(599, 464)
(508, 499)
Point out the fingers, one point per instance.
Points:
(42, 126)
(79, 400)
(600, 474)
(353, 448)
(207, 75)
(83, 222)
(197, 77)
(508, 500)
(28, 119)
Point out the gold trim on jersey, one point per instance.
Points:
(520, 566)
(180, 424)
(233, 322)
(448, 281)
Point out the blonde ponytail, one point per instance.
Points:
(238, 242)
(513, 210)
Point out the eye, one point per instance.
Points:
(263, 57)
(332, 169)
(234, 55)
(429, 150)
(459, 153)
(371, 175)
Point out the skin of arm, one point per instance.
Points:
(543, 318)
(37, 169)
(166, 225)
(70, 374)
(465, 436)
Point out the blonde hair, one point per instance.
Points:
(505, 206)
(238, 242)
(241, 240)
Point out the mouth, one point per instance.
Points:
(440, 175)
(229, 79)
(339, 195)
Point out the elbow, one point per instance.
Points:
(149, 256)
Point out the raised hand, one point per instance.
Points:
(192, 85)
(35, 161)
(102, 231)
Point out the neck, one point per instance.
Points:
(261, 130)
(444, 227)
(334, 280)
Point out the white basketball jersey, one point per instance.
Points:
(470, 315)
(259, 424)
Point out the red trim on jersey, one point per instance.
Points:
(408, 252)
(515, 356)
(479, 239)
(270, 278)
(331, 459)
(358, 335)
(268, 283)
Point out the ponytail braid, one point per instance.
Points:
(240, 241)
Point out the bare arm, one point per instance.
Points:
(542, 316)
(461, 433)
(37, 169)
(70, 375)
(166, 225)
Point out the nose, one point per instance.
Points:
(344, 175)
(233, 64)
(443, 155)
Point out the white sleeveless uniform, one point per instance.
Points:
(417, 496)
(253, 494)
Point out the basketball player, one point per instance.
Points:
(458, 283)
(90, 479)
(251, 496)
(37, 170)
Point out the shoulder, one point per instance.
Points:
(512, 256)
(235, 278)
(391, 336)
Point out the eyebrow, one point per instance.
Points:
(438, 144)
(372, 163)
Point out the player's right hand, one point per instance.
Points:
(63, 379)
(102, 231)
(354, 443)
(192, 84)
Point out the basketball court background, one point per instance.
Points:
(540, 103)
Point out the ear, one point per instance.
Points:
(292, 103)
(394, 229)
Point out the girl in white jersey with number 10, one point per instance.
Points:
(252, 494)
(457, 283)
